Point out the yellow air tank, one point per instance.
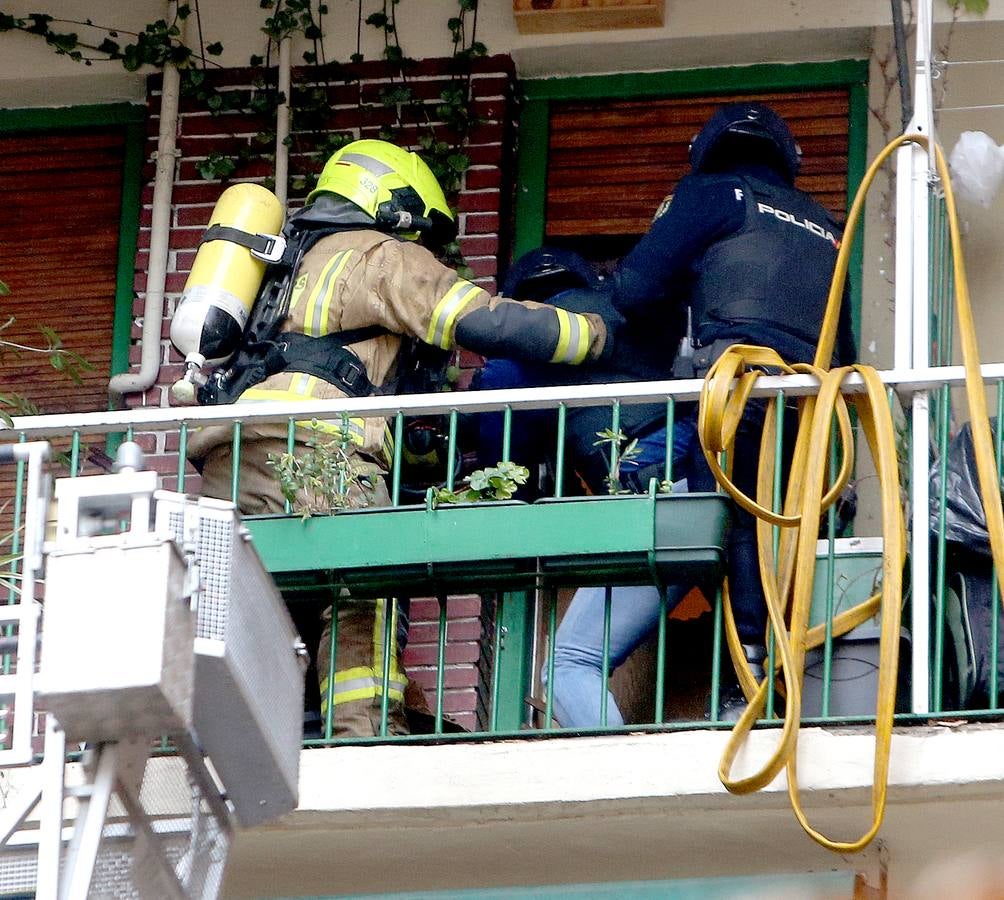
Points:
(224, 281)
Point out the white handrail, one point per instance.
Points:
(903, 381)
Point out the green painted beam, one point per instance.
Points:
(763, 77)
(35, 119)
(630, 538)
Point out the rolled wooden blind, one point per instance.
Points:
(612, 162)
(60, 196)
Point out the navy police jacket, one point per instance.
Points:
(753, 258)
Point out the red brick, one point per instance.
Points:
(185, 238)
(481, 223)
(228, 124)
(426, 609)
(453, 677)
(459, 701)
(458, 630)
(147, 441)
(184, 260)
(490, 109)
(194, 216)
(483, 267)
(197, 192)
(428, 655)
(166, 465)
(487, 133)
(485, 154)
(193, 483)
(200, 146)
(466, 720)
(175, 282)
(137, 330)
(479, 201)
(484, 177)
(480, 245)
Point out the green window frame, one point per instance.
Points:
(131, 117)
(538, 94)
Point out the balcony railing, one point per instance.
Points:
(486, 582)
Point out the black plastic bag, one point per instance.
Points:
(965, 520)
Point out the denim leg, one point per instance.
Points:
(578, 648)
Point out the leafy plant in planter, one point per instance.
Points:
(325, 474)
(619, 452)
(498, 482)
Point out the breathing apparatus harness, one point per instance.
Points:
(788, 575)
(265, 349)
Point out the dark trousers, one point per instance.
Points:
(742, 565)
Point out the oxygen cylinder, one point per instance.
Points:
(223, 283)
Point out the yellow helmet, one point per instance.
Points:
(393, 186)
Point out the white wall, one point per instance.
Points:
(696, 32)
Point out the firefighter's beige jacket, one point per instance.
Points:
(359, 278)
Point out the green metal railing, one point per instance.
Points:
(522, 560)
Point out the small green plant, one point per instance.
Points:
(321, 479)
(62, 359)
(619, 452)
(498, 482)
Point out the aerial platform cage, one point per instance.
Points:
(170, 665)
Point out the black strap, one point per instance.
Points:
(326, 357)
(329, 359)
(261, 243)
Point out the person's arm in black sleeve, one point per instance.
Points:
(533, 332)
(703, 210)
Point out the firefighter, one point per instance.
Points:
(751, 257)
(363, 287)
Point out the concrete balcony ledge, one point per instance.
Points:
(619, 807)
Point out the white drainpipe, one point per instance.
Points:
(153, 311)
(282, 123)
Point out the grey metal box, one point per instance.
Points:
(249, 675)
(857, 574)
(117, 649)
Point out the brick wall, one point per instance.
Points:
(484, 214)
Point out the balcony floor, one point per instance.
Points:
(620, 807)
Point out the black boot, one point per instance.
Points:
(732, 701)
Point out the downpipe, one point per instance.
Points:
(282, 120)
(163, 186)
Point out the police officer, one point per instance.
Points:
(751, 257)
(363, 287)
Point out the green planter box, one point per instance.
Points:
(594, 540)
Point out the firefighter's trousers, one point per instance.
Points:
(355, 679)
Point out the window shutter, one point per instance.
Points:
(610, 163)
(61, 195)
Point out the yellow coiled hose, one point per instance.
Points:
(788, 579)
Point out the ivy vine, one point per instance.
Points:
(442, 127)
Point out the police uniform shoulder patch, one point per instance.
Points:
(663, 207)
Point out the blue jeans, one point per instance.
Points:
(634, 611)
(578, 648)
(579, 682)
